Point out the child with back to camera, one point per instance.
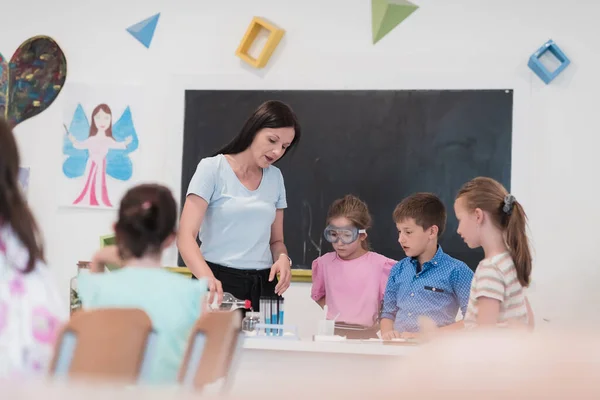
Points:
(31, 312)
(491, 218)
(145, 227)
(350, 280)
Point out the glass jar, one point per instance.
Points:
(75, 301)
(250, 321)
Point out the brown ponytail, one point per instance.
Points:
(507, 214)
(14, 210)
(518, 243)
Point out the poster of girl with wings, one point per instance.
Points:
(98, 142)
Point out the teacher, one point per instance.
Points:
(235, 203)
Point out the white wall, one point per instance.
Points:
(460, 44)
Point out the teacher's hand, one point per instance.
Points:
(215, 287)
(281, 266)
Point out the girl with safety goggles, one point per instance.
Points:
(351, 279)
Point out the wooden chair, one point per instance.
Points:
(213, 349)
(105, 344)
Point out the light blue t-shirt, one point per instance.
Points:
(236, 230)
(173, 303)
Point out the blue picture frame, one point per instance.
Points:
(540, 70)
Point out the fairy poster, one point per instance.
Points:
(99, 144)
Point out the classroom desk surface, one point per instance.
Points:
(350, 347)
(307, 362)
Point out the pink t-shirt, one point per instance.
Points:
(353, 288)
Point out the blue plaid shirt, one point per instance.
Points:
(437, 291)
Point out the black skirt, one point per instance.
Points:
(245, 284)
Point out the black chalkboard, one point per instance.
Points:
(380, 145)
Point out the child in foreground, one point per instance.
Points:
(31, 312)
(145, 227)
(350, 280)
(428, 282)
(491, 218)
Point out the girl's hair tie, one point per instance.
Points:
(509, 201)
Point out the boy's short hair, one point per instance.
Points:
(426, 209)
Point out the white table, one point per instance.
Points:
(310, 361)
(346, 347)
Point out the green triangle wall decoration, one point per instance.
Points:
(387, 14)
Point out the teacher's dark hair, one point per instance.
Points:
(14, 210)
(270, 114)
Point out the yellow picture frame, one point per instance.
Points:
(256, 25)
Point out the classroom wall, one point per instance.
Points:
(444, 45)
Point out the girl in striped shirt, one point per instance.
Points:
(489, 217)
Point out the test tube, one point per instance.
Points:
(268, 315)
(277, 311)
(263, 313)
(281, 311)
(274, 314)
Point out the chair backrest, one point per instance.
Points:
(212, 351)
(106, 344)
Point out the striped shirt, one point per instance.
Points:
(496, 278)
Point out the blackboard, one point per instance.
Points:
(381, 145)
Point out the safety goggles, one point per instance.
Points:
(346, 234)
